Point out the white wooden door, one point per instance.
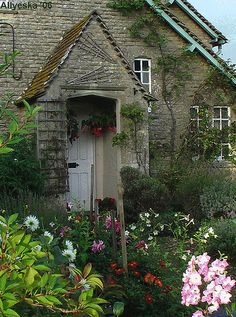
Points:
(80, 159)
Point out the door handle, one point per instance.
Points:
(73, 165)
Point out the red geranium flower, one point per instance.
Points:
(149, 299)
(137, 274)
(119, 271)
(133, 264)
(113, 265)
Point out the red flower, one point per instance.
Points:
(149, 278)
(167, 289)
(119, 271)
(133, 264)
(149, 299)
(137, 274)
(113, 265)
(111, 129)
(97, 131)
(77, 279)
(158, 282)
(162, 263)
(111, 281)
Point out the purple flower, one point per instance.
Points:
(97, 247)
(108, 224)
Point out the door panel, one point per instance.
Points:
(81, 151)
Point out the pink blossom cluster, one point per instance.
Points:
(108, 224)
(207, 283)
(98, 246)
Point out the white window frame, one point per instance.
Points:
(213, 120)
(197, 119)
(220, 120)
(141, 71)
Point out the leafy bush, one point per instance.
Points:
(225, 242)
(196, 179)
(20, 170)
(219, 199)
(30, 274)
(142, 192)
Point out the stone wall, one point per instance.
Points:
(37, 32)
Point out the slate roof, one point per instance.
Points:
(192, 8)
(50, 69)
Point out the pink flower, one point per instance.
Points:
(97, 247)
(108, 224)
(213, 277)
(198, 313)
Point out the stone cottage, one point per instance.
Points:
(80, 63)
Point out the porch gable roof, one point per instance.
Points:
(50, 69)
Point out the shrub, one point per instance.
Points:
(30, 274)
(225, 242)
(192, 185)
(20, 170)
(142, 192)
(219, 199)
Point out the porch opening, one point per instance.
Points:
(92, 161)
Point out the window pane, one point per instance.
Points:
(225, 123)
(145, 78)
(216, 112)
(145, 66)
(224, 113)
(193, 113)
(217, 124)
(138, 75)
(137, 65)
(146, 86)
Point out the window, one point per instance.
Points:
(221, 121)
(142, 68)
(220, 118)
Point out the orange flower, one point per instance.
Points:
(149, 278)
(158, 282)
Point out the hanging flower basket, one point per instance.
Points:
(98, 124)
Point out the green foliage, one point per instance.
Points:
(142, 192)
(119, 139)
(225, 242)
(127, 6)
(133, 112)
(29, 274)
(20, 170)
(219, 199)
(194, 181)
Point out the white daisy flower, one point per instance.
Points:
(211, 231)
(146, 214)
(48, 235)
(150, 238)
(133, 227)
(155, 232)
(70, 254)
(32, 223)
(69, 245)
